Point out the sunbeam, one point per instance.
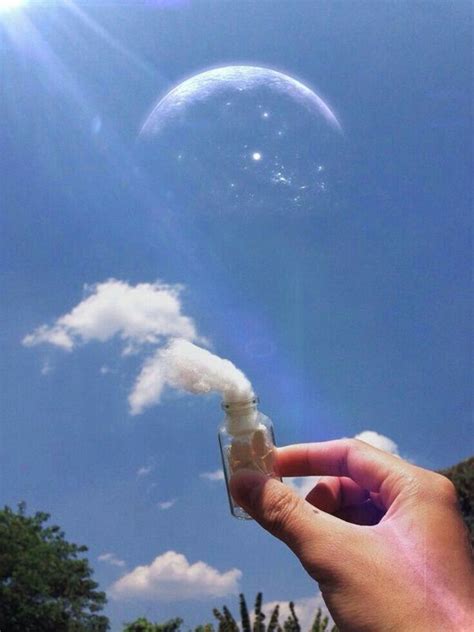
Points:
(10, 5)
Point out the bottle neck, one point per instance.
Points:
(241, 417)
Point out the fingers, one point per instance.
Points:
(343, 498)
(375, 498)
(325, 495)
(366, 514)
(333, 493)
(372, 469)
(290, 518)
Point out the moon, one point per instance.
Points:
(241, 140)
(227, 79)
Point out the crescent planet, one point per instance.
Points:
(202, 86)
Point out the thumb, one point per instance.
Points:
(311, 533)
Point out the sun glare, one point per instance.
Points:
(10, 5)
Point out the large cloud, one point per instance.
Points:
(142, 314)
(171, 577)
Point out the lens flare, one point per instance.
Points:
(10, 5)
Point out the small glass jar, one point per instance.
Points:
(247, 442)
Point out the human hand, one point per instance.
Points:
(383, 538)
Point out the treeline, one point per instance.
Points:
(226, 622)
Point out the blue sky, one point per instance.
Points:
(350, 311)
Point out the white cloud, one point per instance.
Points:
(378, 441)
(218, 475)
(47, 368)
(302, 485)
(112, 559)
(54, 335)
(141, 314)
(148, 386)
(305, 610)
(167, 504)
(144, 471)
(170, 577)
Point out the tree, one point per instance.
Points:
(320, 623)
(143, 625)
(45, 583)
(207, 627)
(227, 622)
(462, 476)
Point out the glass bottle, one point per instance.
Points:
(246, 441)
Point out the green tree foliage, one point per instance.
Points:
(258, 625)
(208, 627)
(244, 615)
(462, 476)
(143, 625)
(45, 583)
(273, 624)
(292, 624)
(320, 623)
(227, 623)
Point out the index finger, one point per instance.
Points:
(373, 469)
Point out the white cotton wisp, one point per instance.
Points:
(196, 370)
(184, 366)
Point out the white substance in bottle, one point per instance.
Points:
(247, 443)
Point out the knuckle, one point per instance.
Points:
(351, 443)
(281, 512)
(444, 488)
(438, 488)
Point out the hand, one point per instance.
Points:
(384, 538)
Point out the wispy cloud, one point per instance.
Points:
(145, 470)
(139, 315)
(170, 577)
(167, 504)
(217, 475)
(112, 559)
(47, 368)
